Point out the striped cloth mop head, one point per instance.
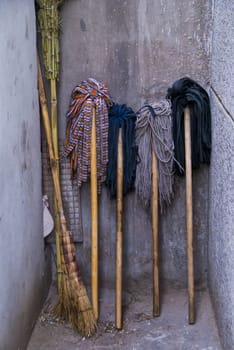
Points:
(84, 98)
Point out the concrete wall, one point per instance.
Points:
(139, 48)
(22, 260)
(221, 243)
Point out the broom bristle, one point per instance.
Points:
(74, 305)
(84, 321)
(61, 310)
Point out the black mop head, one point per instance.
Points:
(186, 92)
(121, 116)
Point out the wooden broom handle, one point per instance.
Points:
(94, 218)
(119, 233)
(53, 160)
(154, 208)
(189, 214)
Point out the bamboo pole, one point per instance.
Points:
(119, 237)
(48, 20)
(54, 127)
(54, 122)
(53, 159)
(154, 208)
(94, 218)
(189, 215)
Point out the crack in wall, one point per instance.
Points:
(226, 111)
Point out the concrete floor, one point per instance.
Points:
(170, 331)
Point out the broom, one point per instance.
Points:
(74, 304)
(48, 21)
(192, 139)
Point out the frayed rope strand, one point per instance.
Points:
(153, 132)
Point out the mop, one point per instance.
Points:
(120, 177)
(154, 177)
(192, 139)
(87, 147)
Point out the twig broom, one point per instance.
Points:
(48, 21)
(74, 304)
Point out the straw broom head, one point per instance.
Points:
(76, 307)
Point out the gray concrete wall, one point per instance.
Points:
(139, 48)
(22, 259)
(221, 243)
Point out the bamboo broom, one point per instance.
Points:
(48, 19)
(94, 218)
(189, 214)
(119, 229)
(75, 304)
(154, 208)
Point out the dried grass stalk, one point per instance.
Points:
(74, 304)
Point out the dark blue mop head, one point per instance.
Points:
(186, 92)
(121, 116)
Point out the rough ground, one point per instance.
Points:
(170, 331)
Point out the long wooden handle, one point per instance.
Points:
(54, 127)
(119, 233)
(154, 208)
(94, 218)
(53, 160)
(189, 214)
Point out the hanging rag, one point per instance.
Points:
(153, 132)
(121, 116)
(48, 222)
(186, 92)
(84, 98)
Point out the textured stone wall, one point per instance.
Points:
(221, 222)
(138, 48)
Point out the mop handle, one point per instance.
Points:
(119, 234)
(189, 214)
(94, 218)
(154, 209)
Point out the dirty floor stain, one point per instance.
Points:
(140, 331)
